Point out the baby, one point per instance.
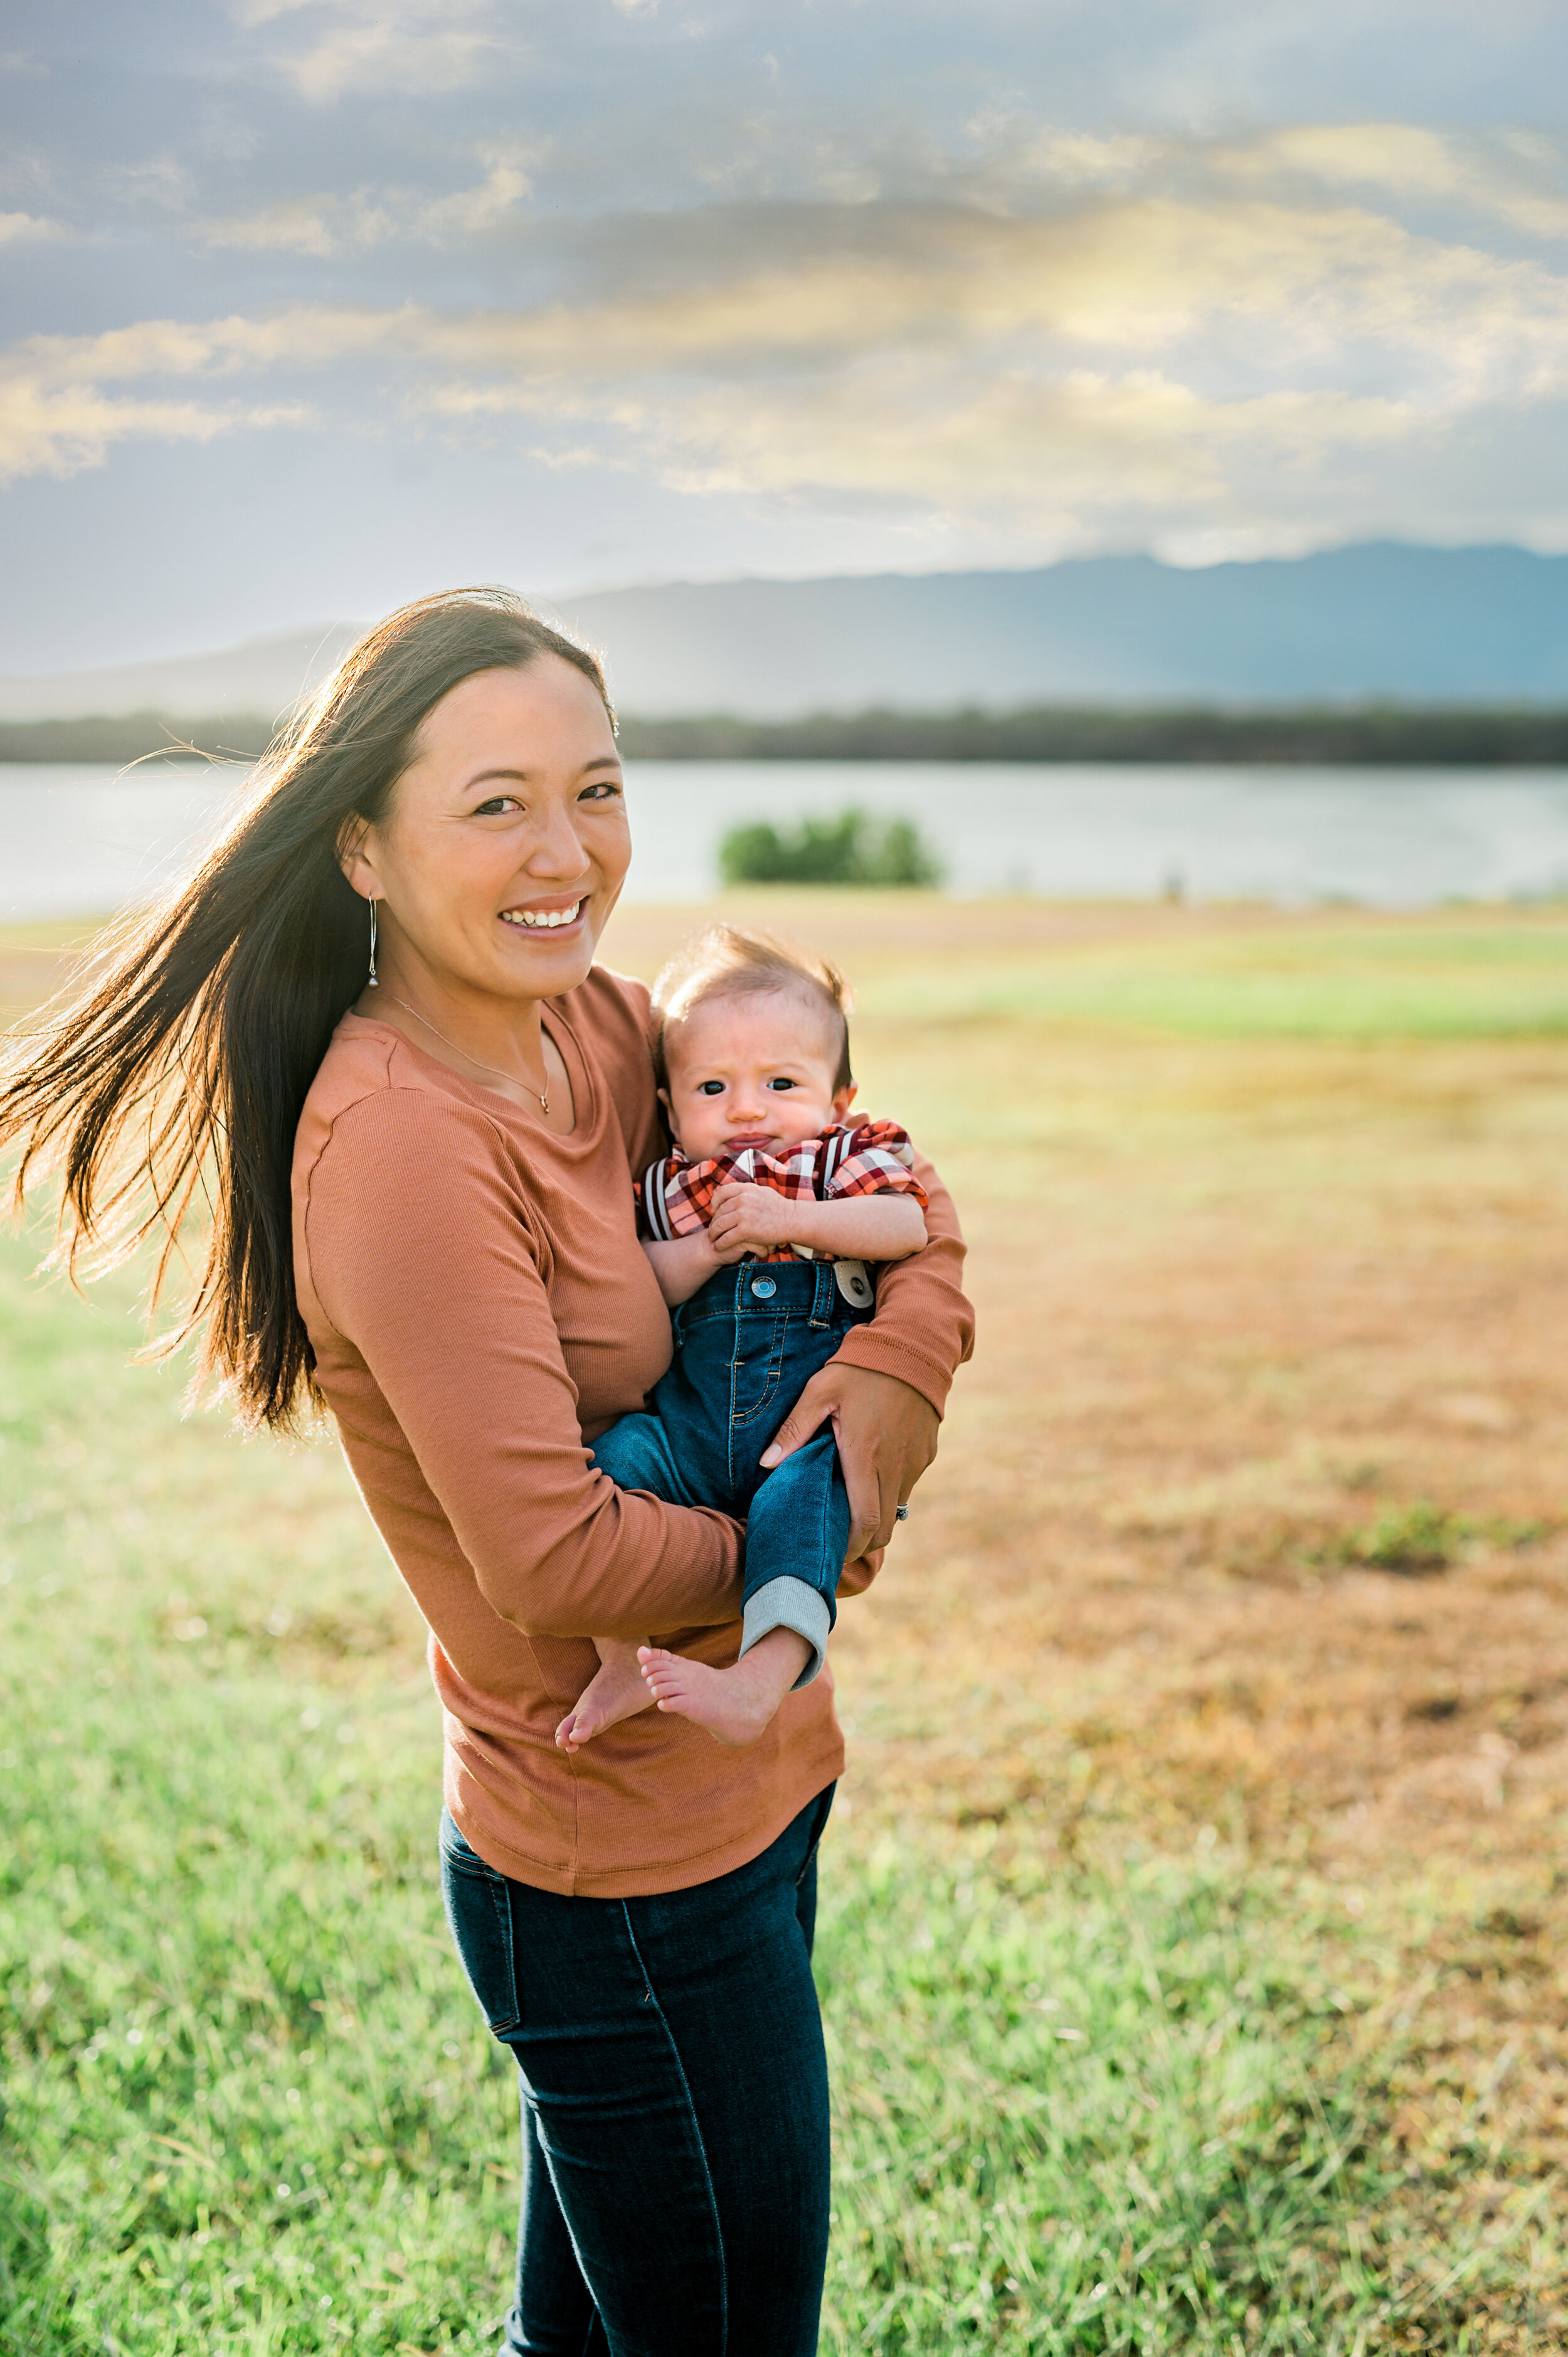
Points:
(758, 1227)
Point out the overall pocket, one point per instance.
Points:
(756, 1367)
(478, 1915)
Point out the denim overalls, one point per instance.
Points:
(745, 1346)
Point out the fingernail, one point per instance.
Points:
(771, 1455)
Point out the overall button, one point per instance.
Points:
(764, 1288)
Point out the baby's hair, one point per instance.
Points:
(725, 963)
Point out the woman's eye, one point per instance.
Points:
(710, 1088)
(497, 805)
(604, 790)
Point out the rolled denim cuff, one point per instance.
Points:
(788, 1604)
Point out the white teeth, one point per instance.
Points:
(541, 920)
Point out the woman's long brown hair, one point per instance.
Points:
(175, 1072)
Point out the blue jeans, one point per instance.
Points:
(745, 1347)
(675, 2104)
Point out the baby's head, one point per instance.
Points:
(753, 1046)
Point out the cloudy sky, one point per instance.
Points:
(315, 305)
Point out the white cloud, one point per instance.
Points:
(325, 224)
(364, 58)
(17, 229)
(60, 432)
(1222, 348)
(267, 12)
(1522, 179)
(470, 212)
(161, 181)
(319, 225)
(61, 409)
(417, 46)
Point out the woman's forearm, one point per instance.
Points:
(923, 1330)
(453, 1325)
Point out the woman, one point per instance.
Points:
(423, 1220)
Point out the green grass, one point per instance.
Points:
(250, 2108)
(1481, 979)
(1116, 2112)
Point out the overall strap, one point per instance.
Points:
(824, 1294)
(655, 1211)
(835, 1146)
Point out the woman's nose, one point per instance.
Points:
(557, 848)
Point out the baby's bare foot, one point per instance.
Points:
(736, 1704)
(616, 1692)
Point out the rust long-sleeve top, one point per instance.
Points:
(479, 1308)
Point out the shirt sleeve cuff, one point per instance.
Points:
(788, 1604)
(882, 1354)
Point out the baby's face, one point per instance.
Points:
(756, 1070)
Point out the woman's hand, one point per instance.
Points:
(886, 1435)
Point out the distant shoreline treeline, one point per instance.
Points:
(1379, 734)
(1058, 732)
(132, 735)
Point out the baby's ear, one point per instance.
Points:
(842, 1100)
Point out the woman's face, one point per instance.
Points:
(505, 845)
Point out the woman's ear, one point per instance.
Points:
(354, 857)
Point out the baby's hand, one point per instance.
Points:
(750, 1219)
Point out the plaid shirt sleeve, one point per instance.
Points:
(875, 1157)
(676, 1197)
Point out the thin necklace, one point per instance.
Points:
(543, 1094)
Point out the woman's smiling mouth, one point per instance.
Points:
(542, 919)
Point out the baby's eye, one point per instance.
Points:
(781, 1084)
(710, 1088)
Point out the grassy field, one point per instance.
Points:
(1192, 1940)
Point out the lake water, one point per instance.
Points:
(78, 840)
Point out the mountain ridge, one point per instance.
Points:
(1378, 619)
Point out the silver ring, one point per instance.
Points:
(900, 1513)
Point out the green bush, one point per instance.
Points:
(850, 849)
(1415, 1538)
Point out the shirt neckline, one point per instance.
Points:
(587, 1096)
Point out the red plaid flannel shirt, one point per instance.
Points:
(874, 1157)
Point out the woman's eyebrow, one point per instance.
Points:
(482, 776)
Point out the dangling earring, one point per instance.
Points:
(374, 984)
